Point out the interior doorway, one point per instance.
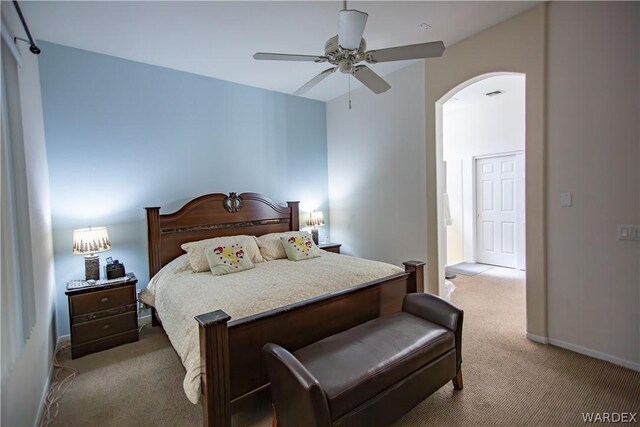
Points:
(483, 134)
(499, 186)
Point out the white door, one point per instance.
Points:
(496, 211)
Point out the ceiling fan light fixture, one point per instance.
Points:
(345, 65)
(351, 28)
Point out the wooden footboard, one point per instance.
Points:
(230, 352)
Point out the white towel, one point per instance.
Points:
(449, 287)
(447, 210)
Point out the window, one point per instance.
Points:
(18, 314)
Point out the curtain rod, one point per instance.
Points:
(32, 44)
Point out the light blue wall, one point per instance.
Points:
(122, 135)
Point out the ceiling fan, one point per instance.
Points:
(348, 48)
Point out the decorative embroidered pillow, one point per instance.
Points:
(271, 247)
(198, 259)
(299, 248)
(227, 259)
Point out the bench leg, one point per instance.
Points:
(457, 381)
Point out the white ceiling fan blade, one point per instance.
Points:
(399, 53)
(370, 79)
(288, 57)
(352, 23)
(314, 81)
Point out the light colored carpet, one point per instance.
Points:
(468, 268)
(508, 380)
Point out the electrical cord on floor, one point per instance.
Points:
(62, 378)
(60, 384)
(142, 325)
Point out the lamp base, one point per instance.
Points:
(314, 235)
(92, 267)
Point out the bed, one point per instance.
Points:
(229, 367)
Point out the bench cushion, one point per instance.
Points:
(359, 363)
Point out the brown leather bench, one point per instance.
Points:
(372, 374)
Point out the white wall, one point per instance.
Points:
(377, 170)
(477, 125)
(594, 152)
(22, 391)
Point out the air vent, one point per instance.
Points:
(495, 93)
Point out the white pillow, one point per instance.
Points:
(299, 248)
(198, 258)
(227, 259)
(271, 246)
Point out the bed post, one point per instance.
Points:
(214, 364)
(416, 280)
(295, 215)
(153, 241)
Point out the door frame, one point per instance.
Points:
(520, 210)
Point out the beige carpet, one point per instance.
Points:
(508, 380)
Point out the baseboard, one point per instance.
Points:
(596, 354)
(538, 339)
(45, 392)
(63, 338)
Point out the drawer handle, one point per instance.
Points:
(105, 299)
(106, 327)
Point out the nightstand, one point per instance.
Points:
(330, 247)
(103, 315)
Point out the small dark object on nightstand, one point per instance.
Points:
(115, 270)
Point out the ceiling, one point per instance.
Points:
(475, 94)
(218, 39)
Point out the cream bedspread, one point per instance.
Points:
(179, 295)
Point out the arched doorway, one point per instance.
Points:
(442, 84)
(517, 45)
(483, 184)
(484, 173)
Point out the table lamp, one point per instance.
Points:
(315, 220)
(89, 242)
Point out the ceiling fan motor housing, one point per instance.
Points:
(333, 49)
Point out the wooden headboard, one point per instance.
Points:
(214, 215)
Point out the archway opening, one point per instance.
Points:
(480, 141)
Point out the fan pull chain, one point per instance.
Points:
(349, 91)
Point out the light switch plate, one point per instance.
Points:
(628, 232)
(566, 200)
(623, 232)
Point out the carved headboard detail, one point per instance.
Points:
(232, 203)
(214, 215)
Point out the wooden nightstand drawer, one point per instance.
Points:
(102, 300)
(330, 247)
(101, 328)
